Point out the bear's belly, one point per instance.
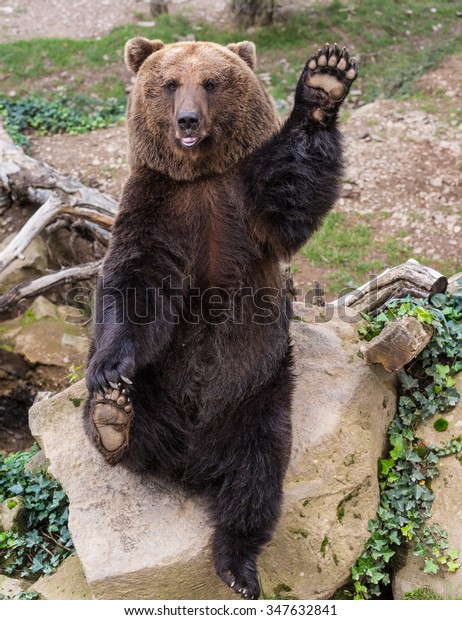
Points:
(216, 364)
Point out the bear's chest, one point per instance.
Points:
(221, 250)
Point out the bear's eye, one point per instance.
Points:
(210, 85)
(171, 85)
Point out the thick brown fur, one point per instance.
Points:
(192, 310)
(248, 117)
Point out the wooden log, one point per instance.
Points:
(397, 344)
(46, 283)
(57, 204)
(29, 181)
(410, 278)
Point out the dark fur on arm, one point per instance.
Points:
(137, 301)
(292, 181)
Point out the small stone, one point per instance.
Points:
(39, 463)
(67, 583)
(12, 514)
(437, 182)
(42, 308)
(11, 587)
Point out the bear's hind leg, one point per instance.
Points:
(109, 420)
(250, 447)
(235, 559)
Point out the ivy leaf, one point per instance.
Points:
(397, 441)
(442, 370)
(452, 566)
(407, 382)
(431, 567)
(16, 489)
(438, 300)
(424, 316)
(386, 464)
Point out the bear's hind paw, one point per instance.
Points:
(110, 421)
(248, 587)
(331, 72)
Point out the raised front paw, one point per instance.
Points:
(328, 76)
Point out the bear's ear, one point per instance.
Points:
(138, 49)
(246, 51)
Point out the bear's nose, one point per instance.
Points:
(188, 120)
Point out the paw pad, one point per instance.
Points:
(112, 417)
(332, 72)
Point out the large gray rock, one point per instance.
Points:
(446, 511)
(141, 538)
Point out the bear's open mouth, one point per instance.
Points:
(189, 141)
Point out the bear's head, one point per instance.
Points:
(196, 108)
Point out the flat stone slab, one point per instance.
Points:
(139, 537)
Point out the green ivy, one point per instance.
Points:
(64, 113)
(44, 541)
(22, 596)
(427, 387)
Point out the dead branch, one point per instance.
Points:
(30, 181)
(59, 197)
(46, 283)
(410, 278)
(58, 203)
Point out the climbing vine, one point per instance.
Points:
(64, 113)
(42, 540)
(427, 387)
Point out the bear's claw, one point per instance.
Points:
(111, 419)
(249, 591)
(330, 73)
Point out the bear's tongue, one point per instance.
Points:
(189, 141)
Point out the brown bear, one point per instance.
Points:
(190, 369)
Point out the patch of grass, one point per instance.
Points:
(345, 247)
(396, 43)
(352, 251)
(422, 594)
(41, 57)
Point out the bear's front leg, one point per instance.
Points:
(109, 376)
(325, 82)
(109, 408)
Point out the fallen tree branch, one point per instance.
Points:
(57, 204)
(46, 283)
(32, 182)
(410, 278)
(28, 181)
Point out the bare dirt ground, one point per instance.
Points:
(87, 19)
